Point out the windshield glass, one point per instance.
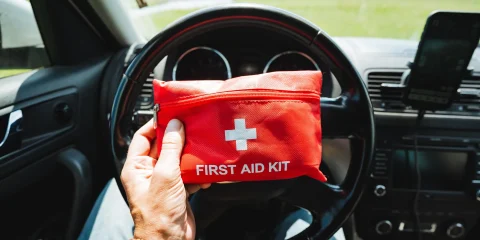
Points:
(402, 19)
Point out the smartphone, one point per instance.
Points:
(444, 52)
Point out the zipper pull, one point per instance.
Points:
(156, 109)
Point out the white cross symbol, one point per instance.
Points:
(241, 134)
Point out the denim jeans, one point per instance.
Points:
(110, 219)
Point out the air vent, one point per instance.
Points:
(468, 98)
(385, 99)
(469, 91)
(375, 80)
(467, 101)
(145, 100)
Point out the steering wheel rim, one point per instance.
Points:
(337, 113)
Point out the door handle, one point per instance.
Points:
(12, 140)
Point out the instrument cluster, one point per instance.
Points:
(207, 63)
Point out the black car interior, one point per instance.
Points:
(65, 128)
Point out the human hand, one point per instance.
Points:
(155, 192)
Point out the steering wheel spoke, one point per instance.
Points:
(313, 195)
(339, 117)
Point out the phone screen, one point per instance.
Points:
(443, 55)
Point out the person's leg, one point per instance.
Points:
(110, 217)
(298, 221)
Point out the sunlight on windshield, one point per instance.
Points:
(366, 18)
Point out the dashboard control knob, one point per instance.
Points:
(456, 230)
(477, 195)
(380, 191)
(383, 227)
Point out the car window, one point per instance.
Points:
(21, 46)
(400, 19)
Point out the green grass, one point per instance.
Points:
(11, 72)
(369, 18)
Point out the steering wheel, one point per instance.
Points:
(349, 115)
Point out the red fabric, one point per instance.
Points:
(281, 113)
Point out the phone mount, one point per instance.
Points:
(401, 87)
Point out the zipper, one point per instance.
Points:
(243, 95)
(235, 95)
(156, 109)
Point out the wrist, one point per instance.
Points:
(159, 230)
(140, 234)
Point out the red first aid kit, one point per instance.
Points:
(251, 128)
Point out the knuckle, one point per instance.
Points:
(136, 134)
(170, 146)
(172, 140)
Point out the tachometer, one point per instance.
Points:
(290, 61)
(201, 63)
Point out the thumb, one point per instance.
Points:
(172, 143)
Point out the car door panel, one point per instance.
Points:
(59, 144)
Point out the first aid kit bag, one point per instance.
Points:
(250, 128)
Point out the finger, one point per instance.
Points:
(154, 149)
(135, 176)
(172, 143)
(192, 188)
(141, 142)
(148, 130)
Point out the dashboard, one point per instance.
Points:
(448, 141)
(229, 53)
(422, 183)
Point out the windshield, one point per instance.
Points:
(401, 19)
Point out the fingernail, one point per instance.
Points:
(173, 126)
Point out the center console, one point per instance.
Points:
(445, 201)
(424, 180)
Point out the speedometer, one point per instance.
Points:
(201, 63)
(290, 61)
